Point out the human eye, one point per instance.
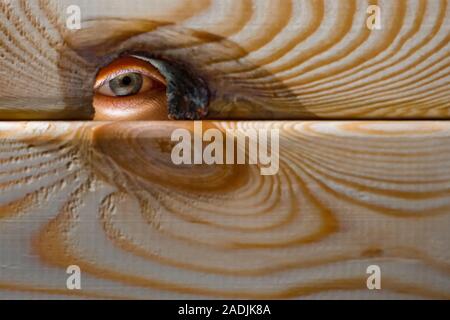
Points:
(130, 89)
(138, 88)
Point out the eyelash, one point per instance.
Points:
(114, 75)
(121, 72)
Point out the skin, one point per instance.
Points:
(150, 103)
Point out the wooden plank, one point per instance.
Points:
(108, 198)
(277, 59)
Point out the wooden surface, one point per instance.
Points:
(106, 197)
(279, 59)
(348, 195)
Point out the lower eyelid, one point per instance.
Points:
(145, 106)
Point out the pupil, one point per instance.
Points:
(126, 80)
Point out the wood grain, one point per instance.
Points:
(107, 197)
(274, 59)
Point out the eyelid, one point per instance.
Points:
(126, 65)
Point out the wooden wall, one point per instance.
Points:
(349, 194)
(107, 197)
(262, 59)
